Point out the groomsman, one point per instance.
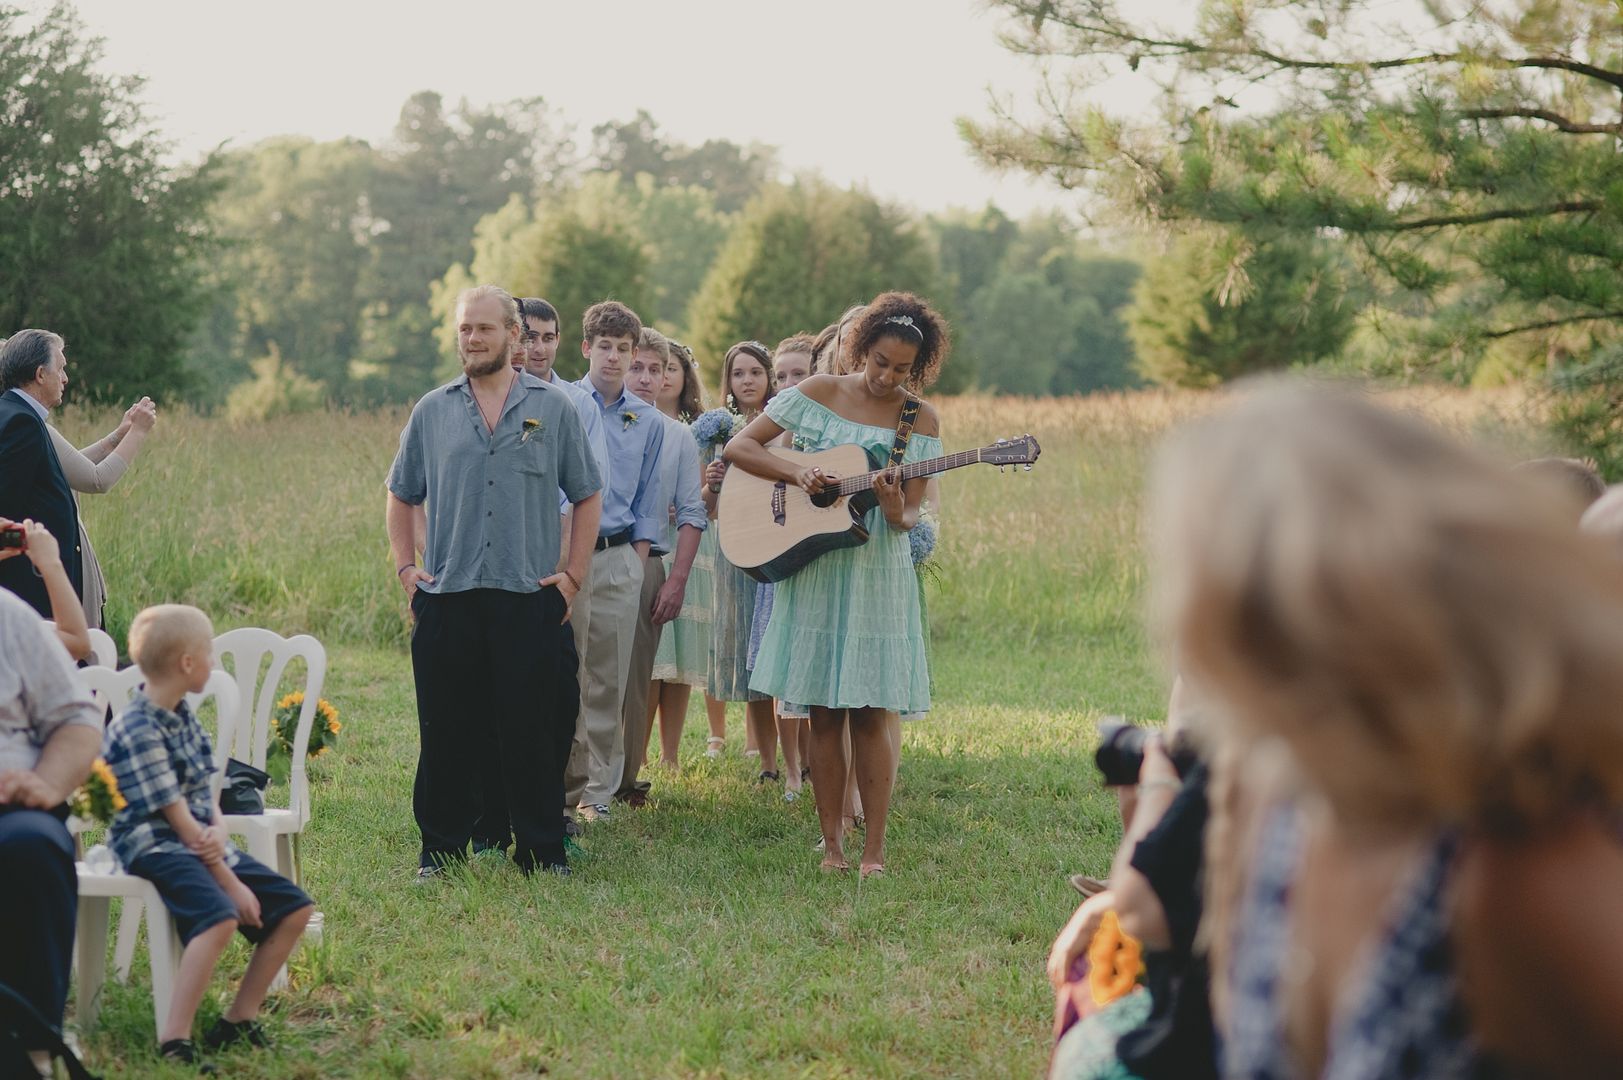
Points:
(494, 662)
(679, 537)
(633, 514)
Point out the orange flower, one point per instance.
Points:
(1115, 961)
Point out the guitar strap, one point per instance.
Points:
(904, 429)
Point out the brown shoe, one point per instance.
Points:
(1088, 886)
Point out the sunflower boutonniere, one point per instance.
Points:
(629, 417)
(531, 426)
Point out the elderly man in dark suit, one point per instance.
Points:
(33, 375)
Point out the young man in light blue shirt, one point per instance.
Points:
(679, 536)
(633, 515)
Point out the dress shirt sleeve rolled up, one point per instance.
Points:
(689, 496)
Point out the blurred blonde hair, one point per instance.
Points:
(162, 634)
(1420, 627)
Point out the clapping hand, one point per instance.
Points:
(142, 415)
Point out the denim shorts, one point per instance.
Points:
(198, 902)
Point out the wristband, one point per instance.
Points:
(403, 569)
(573, 580)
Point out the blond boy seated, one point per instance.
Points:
(169, 832)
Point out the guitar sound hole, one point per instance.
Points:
(825, 498)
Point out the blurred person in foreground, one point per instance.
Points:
(49, 734)
(1409, 664)
(1164, 1028)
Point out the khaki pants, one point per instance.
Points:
(640, 678)
(616, 589)
(580, 621)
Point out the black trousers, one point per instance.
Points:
(39, 904)
(497, 694)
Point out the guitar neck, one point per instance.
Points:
(852, 485)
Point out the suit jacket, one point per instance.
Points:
(32, 485)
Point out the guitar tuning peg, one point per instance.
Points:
(1000, 469)
(1028, 466)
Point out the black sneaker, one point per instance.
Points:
(571, 827)
(428, 875)
(185, 1052)
(226, 1033)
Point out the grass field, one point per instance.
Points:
(697, 938)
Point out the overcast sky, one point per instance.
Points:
(864, 91)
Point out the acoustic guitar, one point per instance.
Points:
(770, 529)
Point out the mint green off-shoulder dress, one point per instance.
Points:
(846, 631)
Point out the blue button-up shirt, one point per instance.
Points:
(158, 757)
(492, 495)
(591, 418)
(632, 498)
(679, 482)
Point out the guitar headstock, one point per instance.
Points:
(1021, 451)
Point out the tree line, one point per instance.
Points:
(294, 273)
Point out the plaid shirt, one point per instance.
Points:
(158, 757)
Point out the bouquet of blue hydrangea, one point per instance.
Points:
(921, 539)
(713, 428)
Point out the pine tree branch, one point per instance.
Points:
(1509, 213)
(1548, 324)
(1561, 122)
(1159, 48)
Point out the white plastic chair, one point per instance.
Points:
(103, 650)
(272, 837)
(97, 890)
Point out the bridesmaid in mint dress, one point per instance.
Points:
(846, 635)
(682, 659)
(746, 388)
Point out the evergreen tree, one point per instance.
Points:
(1467, 150)
(1215, 309)
(100, 241)
(798, 257)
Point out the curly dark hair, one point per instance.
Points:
(691, 403)
(905, 317)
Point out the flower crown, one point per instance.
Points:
(907, 321)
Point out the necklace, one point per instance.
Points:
(490, 426)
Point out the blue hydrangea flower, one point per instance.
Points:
(921, 538)
(713, 427)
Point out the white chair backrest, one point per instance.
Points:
(248, 647)
(112, 690)
(103, 650)
(227, 719)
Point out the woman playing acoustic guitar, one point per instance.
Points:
(845, 635)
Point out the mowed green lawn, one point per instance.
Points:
(697, 938)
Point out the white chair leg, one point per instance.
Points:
(91, 941)
(129, 926)
(285, 864)
(163, 942)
